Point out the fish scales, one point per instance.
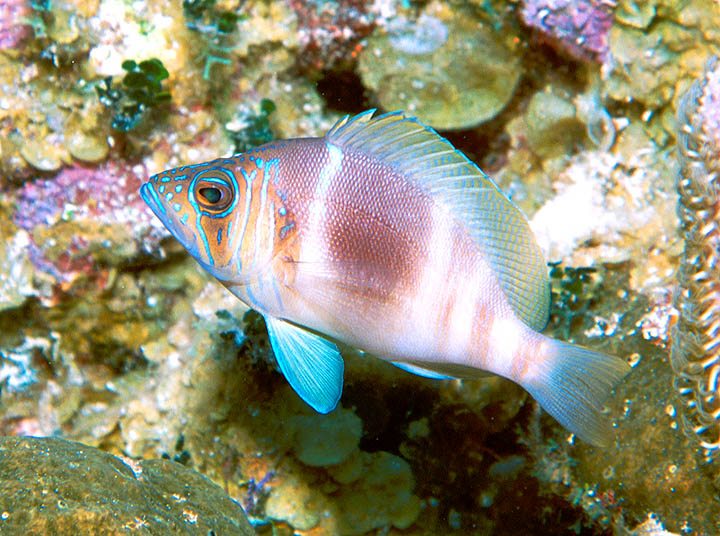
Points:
(374, 233)
(383, 236)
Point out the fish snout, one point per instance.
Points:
(151, 198)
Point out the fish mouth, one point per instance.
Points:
(173, 224)
(150, 196)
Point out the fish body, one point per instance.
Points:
(383, 236)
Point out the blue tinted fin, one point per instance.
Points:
(571, 383)
(312, 365)
(420, 371)
(421, 155)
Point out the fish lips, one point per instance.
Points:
(173, 224)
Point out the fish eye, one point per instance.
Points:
(211, 195)
(214, 193)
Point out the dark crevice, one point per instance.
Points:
(343, 91)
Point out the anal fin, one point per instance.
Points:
(442, 371)
(420, 371)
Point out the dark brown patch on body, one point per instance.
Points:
(378, 227)
(376, 222)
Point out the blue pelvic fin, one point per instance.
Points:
(311, 364)
(420, 371)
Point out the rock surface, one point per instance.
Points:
(51, 486)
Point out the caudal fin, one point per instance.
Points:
(571, 383)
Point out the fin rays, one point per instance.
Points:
(311, 364)
(424, 157)
(571, 385)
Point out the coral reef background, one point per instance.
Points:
(595, 117)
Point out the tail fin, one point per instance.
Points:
(571, 383)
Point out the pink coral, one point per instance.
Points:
(577, 27)
(107, 194)
(13, 32)
(331, 31)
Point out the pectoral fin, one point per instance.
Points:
(312, 365)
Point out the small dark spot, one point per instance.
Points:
(180, 443)
(183, 458)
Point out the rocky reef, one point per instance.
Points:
(596, 118)
(53, 486)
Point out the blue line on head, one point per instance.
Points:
(284, 230)
(215, 180)
(230, 177)
(180, 178)
(155, 199)
(246, 213)
(199, 213)
(177, 207)
(165, 179)
(178, 188)
(161, 189)
(169, 196)
(273, 163)
(184, 218)
(201, 231)
(190, 166)
(261, 210)
(219, 235)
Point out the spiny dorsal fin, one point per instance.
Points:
(423, 156)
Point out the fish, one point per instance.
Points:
(383, 236)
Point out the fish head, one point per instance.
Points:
(206, 208)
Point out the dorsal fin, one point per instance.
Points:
(426, 158)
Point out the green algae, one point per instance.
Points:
(140, 93)
(255, 128)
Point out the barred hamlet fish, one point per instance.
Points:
(383, 236)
